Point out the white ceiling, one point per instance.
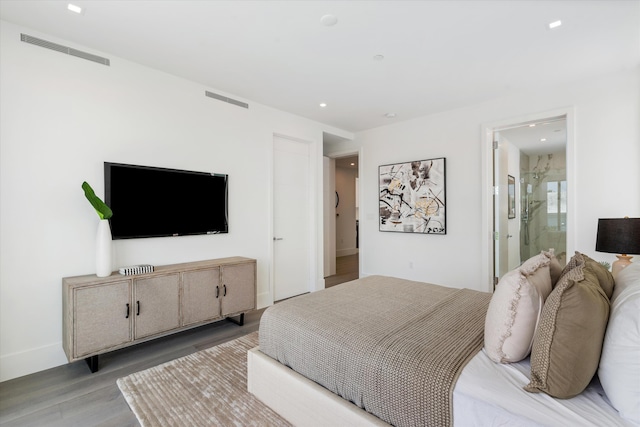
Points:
(541, 137)
(350, 162)
(438, 55)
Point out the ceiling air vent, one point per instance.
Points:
(226, 99)
(64, 49)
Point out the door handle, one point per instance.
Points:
(278, 238)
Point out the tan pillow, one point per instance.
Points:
(555, 269)
(515, 308)
(605, 279)
(604, 276)
(573, 263)
(568, 340)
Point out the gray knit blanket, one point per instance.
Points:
(393, 347)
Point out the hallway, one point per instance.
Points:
(347, 269)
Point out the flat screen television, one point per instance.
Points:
(156, 202)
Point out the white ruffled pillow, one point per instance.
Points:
(515, 309)
(619, 368)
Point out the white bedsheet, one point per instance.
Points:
(489, 394)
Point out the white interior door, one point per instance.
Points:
(501, 211)
(291, 217)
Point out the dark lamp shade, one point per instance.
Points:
(618, 236)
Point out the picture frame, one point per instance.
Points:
(412, 197)
(511, 196)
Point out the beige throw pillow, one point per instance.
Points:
(515, 308)
(568, 340)
(537, 271)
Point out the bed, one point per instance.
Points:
(359, 354)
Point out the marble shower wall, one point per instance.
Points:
(543, 204)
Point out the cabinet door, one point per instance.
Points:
(238, 288)
(200, 296)
(156, 305)
(102, 317)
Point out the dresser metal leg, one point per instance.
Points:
(93, 363)
(239, 321)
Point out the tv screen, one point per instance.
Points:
(154, 202)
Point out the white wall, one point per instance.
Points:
(607, 154)
(61, 118)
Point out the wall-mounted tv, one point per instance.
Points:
(155, 202)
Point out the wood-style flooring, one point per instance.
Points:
(347, 268)
(70, 395)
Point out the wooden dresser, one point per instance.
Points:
(102, 314)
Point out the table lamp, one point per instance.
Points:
(619, 236)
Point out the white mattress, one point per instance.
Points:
(489, 394)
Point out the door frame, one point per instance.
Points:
(359, 152)
(487, 129)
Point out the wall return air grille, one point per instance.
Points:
(226, 99)
(64, 49)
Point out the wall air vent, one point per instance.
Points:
(64, 49)
(226, 99)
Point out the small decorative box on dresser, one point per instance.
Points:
(102, 314)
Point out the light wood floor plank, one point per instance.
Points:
(71, 395)
(347, 269)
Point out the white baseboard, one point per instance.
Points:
(264, 300)
(27, 362)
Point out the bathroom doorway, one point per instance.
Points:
(531, 192)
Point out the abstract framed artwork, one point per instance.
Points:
(413, 197)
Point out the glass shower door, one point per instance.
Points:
(544, 210)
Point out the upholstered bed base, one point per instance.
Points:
(290, 395)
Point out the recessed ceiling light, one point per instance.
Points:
(378, 57)
(322, 105)
(532, 125)
(390, 115)
(352, 164)
(543, 139)
(74, 8)
(555, 24)
(328, 20)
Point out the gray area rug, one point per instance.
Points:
(207, 388)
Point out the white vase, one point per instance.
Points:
(103, 249)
